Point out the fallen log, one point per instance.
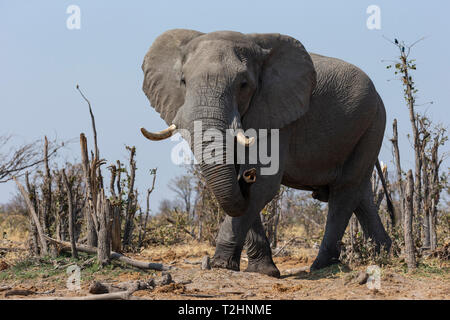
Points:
(24, 292)
(12, 249)
(98, 287)
(114, 256)
(100, 291)
(4, 288)
(123, 295)
(294, 272)
(18, 292)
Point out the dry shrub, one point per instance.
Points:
(442, 253)
(162, 232)
(364, 252)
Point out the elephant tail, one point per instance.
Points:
(390, 206)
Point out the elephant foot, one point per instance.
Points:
(264, 267)
(225, 262)
(324, 260)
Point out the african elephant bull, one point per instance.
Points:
(331, 122)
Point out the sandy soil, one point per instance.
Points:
(432, 281)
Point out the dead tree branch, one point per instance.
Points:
(42, 240)
(14, 162)
(114, 255)
(71, 215)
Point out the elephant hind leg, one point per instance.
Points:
(259, 252)
(370, 221)
(340, 209)
(352, 191)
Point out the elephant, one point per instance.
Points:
(329, 118)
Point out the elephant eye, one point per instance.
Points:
(244, 84)
(182, 80)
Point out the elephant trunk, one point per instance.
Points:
(222, 178)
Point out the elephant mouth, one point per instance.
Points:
(246, 177)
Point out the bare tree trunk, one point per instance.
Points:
(58, 225)
(115, 209)
(116, 240)
(59, 208)
(90, 228)
(93, 177)
(426, 202)
(43, 241)
(78, 208)
(130, 210)
(435, 190)
(410, 100)
(140, 226)
(33, 229)
(424, 189)
(409, 239)
(46, 191)
(70, 215)
(34, 238)
(90, 194)
(147, 211)
(394, 141)
(103, 211)
(144, 229)
(200, 227)
(432, 225)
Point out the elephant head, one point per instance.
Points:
(227, 80)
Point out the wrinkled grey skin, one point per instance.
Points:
(331, 122)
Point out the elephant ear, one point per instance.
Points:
(162, 72)
(287, 80)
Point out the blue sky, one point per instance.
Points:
(41, 61)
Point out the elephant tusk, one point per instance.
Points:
(243, 140)
(161, 135)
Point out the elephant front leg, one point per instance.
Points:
(230, 241)
(233, 231)
(233, 234)
(259, 252)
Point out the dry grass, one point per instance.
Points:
(188, 250)
(13, 227)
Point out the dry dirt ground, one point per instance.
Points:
(430, 281)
